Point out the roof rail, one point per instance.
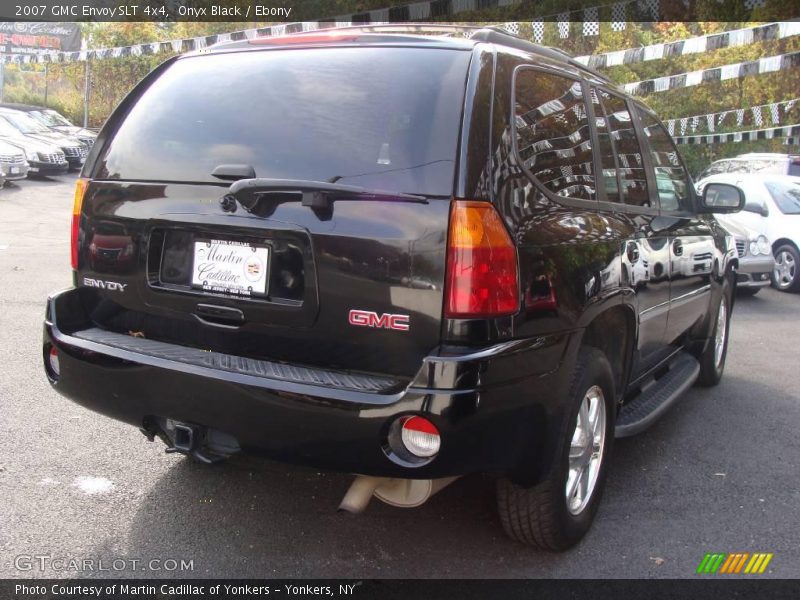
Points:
(497, 35)
(484, 33)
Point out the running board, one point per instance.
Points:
(640, 413)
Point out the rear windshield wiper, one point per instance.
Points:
(315, 194)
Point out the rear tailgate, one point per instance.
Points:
(356, 286)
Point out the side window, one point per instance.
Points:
(674, 193)
(608, 158)
(632, 175)
(552, 133)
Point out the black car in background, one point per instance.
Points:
(406, 257)
(74, 150)
(54, 120)
(43, 159)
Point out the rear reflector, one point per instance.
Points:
(482, 280)
(420, 437)
(52, 358)
(80, 190)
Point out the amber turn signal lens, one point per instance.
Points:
(482, 277)
(77, 204)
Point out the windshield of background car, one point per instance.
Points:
(24, 123)
(380, 118)
(786, 195)
(56, 119)
(7, 128)
(42, 118)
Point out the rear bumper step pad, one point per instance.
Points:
(240, 364)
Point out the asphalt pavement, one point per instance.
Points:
(719, 473)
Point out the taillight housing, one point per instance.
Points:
(77, 204)
(482, 277)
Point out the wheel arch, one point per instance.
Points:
(784, 241)
(614, 332)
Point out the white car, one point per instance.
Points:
(772, 208)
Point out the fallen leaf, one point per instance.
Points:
(658, 560)
(136, 334)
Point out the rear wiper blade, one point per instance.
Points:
(315, 194)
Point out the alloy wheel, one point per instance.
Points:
(586, 450)
(784, 269)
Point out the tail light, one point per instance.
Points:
(80, 190)
(482, 279)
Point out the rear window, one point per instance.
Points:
(381, 118)
(758, 165)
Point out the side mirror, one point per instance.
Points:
(721, 198)
(757, 208)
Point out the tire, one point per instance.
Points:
(786, 274)
(712, 364)
(539, 516)
(747, 291)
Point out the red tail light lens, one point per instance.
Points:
(80, 190)
(482, 279)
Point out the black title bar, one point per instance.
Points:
(371, 11)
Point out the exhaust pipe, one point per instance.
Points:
(402, 493)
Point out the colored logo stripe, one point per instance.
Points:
(732, 563)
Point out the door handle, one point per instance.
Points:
(219, 316)
(677, 247)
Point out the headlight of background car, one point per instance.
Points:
(760, 246)
(31, 155)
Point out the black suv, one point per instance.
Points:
(407, 257)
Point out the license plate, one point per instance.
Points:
(14, 170)
(226, 267)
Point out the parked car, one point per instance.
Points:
(773, 163)
(55, 121)
(74, 151)
(772, 209)
(42, 159)
(756, 262)
(12, 163)
(410, 275)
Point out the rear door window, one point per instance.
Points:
(631, 171)
(551, 126)
(608, 156)
(380, 118)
